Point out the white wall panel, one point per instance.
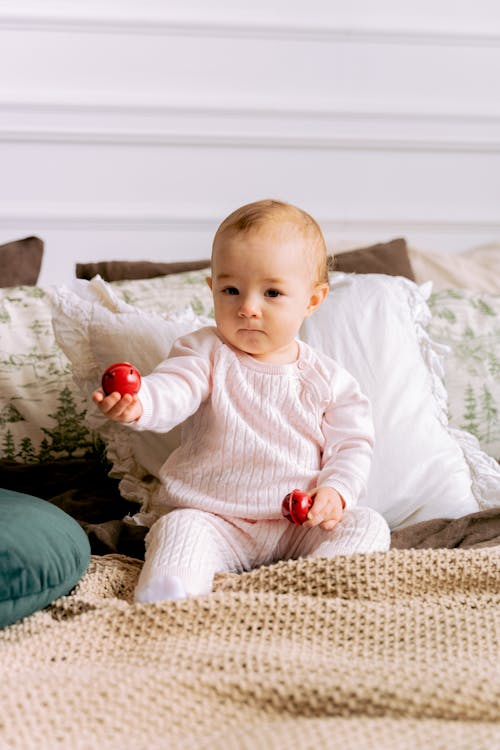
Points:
(201, 69)
(414, 183)
(130, 130)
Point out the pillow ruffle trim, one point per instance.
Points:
(73, 313)
(484, 470)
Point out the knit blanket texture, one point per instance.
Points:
(381, 651)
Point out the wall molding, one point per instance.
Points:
(162, 25)
(91, 218)
(34, 102)
(283, 141)
(135, 122)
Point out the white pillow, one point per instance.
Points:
(373, 326)
(95, 328)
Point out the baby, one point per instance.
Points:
(267, 414)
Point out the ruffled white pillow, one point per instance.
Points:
(95, 328)
(373, 325)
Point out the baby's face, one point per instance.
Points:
(263, 288)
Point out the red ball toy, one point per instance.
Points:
(121, 377)
(296, 506)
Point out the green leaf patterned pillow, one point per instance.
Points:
(167, 294)
(41, 408)
(469, 323)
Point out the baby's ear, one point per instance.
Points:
(208, 279)
(317, 297)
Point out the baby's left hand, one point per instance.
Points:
(327, 509)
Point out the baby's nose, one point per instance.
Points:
(249, 307)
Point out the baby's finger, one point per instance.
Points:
(108, 403)
(318, 509)
(337, 514)
(328, 525)
(122, 405)
(313, 520)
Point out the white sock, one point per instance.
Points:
(159, 589)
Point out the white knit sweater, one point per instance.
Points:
(256, 430)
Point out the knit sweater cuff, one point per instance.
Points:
(147, 411)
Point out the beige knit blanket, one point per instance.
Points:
(390, 650)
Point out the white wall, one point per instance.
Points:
(129, 130)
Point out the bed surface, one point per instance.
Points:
(388, 650)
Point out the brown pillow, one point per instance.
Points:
(120, 270)
(20, 262)
(390, 258)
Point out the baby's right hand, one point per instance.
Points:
(126, 408)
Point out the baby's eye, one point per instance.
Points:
(230, 290)
(273, 293)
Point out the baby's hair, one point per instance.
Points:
(257, 214)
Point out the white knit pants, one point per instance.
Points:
(193, 545)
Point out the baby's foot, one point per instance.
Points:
(160, 588)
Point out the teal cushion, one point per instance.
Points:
(43, 554)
